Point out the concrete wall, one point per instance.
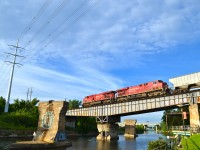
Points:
(51, 123)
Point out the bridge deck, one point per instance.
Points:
(139, 106)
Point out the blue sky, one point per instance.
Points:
(75, 48)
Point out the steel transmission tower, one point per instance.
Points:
(29, 92)
(12, 72)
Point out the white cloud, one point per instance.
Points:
(125, 30)
(114, 36)
(48, 83)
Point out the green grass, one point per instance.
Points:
(191, 143)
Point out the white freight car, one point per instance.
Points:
(186, 81)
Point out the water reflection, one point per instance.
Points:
(90, 143)
(139, 143)
(106, 145)
(130, 143)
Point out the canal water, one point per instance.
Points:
(90, 143)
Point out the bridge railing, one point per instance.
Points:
(186, 128)
(180, 128)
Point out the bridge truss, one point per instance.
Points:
(131, 107)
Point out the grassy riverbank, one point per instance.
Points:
(191, 143)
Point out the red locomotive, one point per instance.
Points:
(182, 84)
(96, 99)
(154, 88)
(149, 89)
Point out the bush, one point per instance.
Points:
(157, 145)
(18, 120)
(139, 129)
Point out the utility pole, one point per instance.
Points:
(12, 72)
(31, 93)
(27, 94)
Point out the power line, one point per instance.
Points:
(83, 12)
(12, 72)
(35, 18)
(4, 76)
(71, 18)
(48, 21)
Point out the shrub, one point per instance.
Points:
(157, 145)
(16, 120)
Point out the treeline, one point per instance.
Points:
(23, 114)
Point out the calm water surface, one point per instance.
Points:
(90, 143)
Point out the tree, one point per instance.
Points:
(22, 105)
(86, 124)
(2, 104)
(74, 103)
(22, 114)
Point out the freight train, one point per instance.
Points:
(146, 90)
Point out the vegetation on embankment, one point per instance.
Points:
(191, 143)
(157, 145)
(22, 115)
(18, 121)
(139, 129)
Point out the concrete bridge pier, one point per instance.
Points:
(194, 117)
(130, 131)
(108, 129)
(50, 133)
(51, 122)
(145, 127)
(157, 126)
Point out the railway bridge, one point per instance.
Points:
(107, 115)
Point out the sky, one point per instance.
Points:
(75, 48)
